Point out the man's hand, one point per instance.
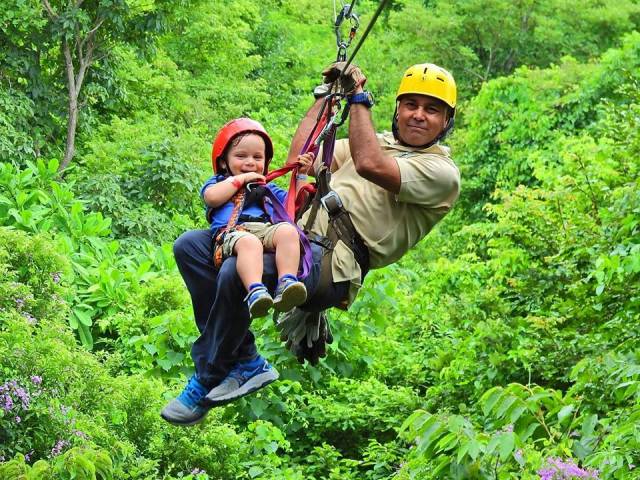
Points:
(351, 80)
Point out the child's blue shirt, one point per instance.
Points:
(221, 214)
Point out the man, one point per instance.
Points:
(393, 188)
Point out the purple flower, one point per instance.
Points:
(27, 456)
(55, 276)
(7, 402)
(36, 380)
(557, 469)
(18, 419)
(80, 434)
(24, 397)
(19, 303)
(197, 471)
(546, 473)
(31, 320)
(58, 447)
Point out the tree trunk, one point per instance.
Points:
(72, 124)
(74, 84)
(72, 121)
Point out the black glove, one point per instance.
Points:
(305, 333)
(349, 80)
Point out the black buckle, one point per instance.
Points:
(332, 203)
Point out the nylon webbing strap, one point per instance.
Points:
(238, 202)
(323, 188)
(280, 215)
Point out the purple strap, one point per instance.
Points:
(280, 214)
(328, 145)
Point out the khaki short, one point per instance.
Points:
(264, 232)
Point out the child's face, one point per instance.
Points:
(247, 155)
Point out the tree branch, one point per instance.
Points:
(47, 7)
(91, 34)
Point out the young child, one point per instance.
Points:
(241, 154)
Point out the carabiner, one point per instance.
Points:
(347, 13)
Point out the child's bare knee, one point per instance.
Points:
(286, 233)
(248, 243)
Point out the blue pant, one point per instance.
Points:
(220, 312)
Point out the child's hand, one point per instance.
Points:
(250, 177)
(305, 162)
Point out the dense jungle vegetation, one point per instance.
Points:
(506, 345)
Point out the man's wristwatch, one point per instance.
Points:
(364, 98)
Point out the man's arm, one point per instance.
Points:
(370, 161)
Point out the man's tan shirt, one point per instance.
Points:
(390, 224)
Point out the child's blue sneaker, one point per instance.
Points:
(186, 409)
(258, 300)
(289, 293)
(243, 379)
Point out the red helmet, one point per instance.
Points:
(232, 129)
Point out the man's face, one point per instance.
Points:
(420, 119)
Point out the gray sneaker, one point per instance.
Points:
(243, 379)
(187, 408)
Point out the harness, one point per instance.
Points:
(278, 215)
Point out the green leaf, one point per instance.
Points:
(83, 316)
(255, 471)
(504, 406)
(462, 451)
(258, 406)
(492, 397)
(85, 336)
(516, 413)
(530, 429)
(565, 412)
(507, 442)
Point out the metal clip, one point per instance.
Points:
(346, 12)
(331, 202)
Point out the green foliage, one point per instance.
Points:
(77, 463)
(16, 109)
(481, 40)
(501, 345)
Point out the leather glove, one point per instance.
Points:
(305, 333)
(349, 80)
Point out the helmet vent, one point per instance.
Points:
(409, 74)
(425, 70)
(440, 78)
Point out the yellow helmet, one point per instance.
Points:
(429, 79)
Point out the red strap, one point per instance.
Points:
(296, 200)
